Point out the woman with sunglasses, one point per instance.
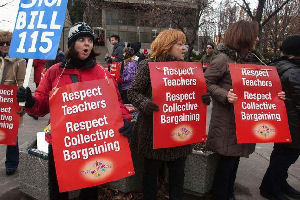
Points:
(12, 72)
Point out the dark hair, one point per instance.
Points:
(211, 44)
(241, 35)
(71, 52)
(117, 37)
(291, 45)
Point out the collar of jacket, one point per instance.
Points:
(10, 59)
(165, 59)
(79, 64)
(236, 56)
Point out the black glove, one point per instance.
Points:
(150, 106)
(126, 129)
(108, 59)
(206, 99)
(24, 95)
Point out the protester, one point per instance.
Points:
(117, 54)
(129, 71)
(39, 66)
(274, 184)
(209, 55)
(80, 66)
(168, 46)
(239, 39)
(12, 72)
(136, 46)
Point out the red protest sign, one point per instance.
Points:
(177, 88)
(206, 65)
(115, 68)
(9, 119)
(260, 114)
(88, 149)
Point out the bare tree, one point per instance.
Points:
(4, 4)
(284, 23)
(257, 13)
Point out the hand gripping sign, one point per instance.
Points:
(9, 119)
(177, 88)
(260, 115)
(88, 149)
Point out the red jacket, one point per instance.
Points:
(39, 65)
(49, 81)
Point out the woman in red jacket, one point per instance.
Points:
(80, 66)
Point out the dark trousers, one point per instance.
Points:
(124, 96)
(90, 193)
(224, 178)
(176, 178)
(281, 159)
(12, 156)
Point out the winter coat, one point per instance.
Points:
(39, 66)
(118, 52)
(206, 59)
(222, 131)
(289, 72)
(128, 74)
(12, 71)
(57, 76)
(139, 94)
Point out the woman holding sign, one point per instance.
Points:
(240, 40)
(80, 66)
(12, 72)
(169, 45)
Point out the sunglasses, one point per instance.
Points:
(3, 43)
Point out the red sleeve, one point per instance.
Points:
(41, 95)
(35, 63)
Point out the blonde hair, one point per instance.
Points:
(5, 36)
(163, 43)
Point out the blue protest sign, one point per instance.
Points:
(38, 29)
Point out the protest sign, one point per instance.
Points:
(115, 68)
(9, 119)
(177, 88)
(260, 114)
(38, 29)
(87, 147)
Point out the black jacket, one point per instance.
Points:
(118, 52)
(289, 72)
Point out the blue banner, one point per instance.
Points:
(38, 29)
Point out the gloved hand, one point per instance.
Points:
(126, 129)
(206, 99)
(108, 59)
(150, 106)
(24, 95)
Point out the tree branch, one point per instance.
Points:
(275, 12)
(247, 8)
(6, 3)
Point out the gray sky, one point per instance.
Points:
(8, 14)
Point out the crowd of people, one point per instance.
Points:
(79, 65)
